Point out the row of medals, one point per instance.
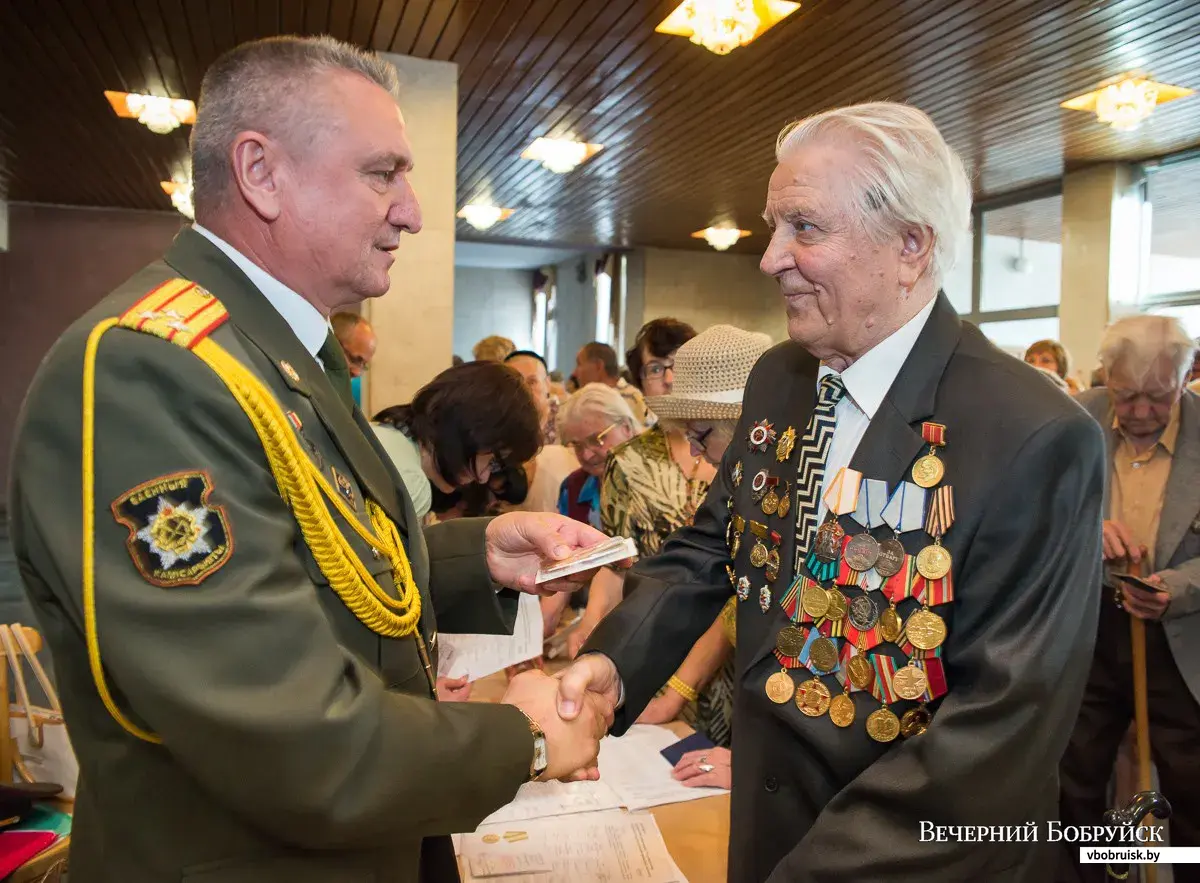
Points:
(926, 630)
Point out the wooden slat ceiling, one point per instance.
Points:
(688, 135)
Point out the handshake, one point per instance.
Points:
(574, 709)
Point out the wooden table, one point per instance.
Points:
(696, 832)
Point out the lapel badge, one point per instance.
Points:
(758, 485)
(787, 442)
(743, 588)
(737, 474)
(762, 436)
(289, 372)
(764, 598)
(345, 488)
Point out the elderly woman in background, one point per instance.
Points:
(703, 407)
(591, 422)
(1052, 356)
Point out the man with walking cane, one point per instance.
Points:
(1147, 658)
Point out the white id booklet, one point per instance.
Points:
(608, 552)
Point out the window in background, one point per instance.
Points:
(957, 283)
(1172, 285)
(551, 351)
(603, 307)
(539, 321)
(1022, 256)
(1015, 335)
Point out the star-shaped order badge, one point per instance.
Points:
(177, 537)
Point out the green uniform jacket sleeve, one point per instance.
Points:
(243, 676)
(467, 602)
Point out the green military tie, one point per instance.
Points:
(336, 370)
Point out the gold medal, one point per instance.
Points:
(773, 565)
(928, 471)
(926, 630)
(910, 682)
(787, 442)
(770, 502)
(890, 625)
(823, 655)
(837, 606)
(861, 672)
(780, 687)
(812, 698)
(789, 641)
(814, 600)
(933, 562)
(785, 505)
(882, 725)
(841, 710)
(758, 554)
(915, 722)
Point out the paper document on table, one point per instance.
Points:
(478, 656)
(633, 766)
(597, 847)
(536, 800)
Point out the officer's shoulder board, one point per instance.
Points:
(179, 311)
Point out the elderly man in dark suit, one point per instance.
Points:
(911, 521)
(1151, 424)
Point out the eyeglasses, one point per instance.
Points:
(494, 468)
(655, 370)
(698, 439)
(594, 442)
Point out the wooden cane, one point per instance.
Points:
(1141, 710)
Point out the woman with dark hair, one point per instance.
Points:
(468, 424)
(651, 361)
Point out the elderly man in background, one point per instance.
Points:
(914, 630)
(532, 367)
(1152, 524)
(243, 611)
(597, 363)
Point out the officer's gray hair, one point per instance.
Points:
(1137, 343)
(264, 86)
(596, 398)
(909, 174)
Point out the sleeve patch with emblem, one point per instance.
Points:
(176, 536)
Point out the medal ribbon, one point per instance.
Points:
(872, 497)
(935, 671)
(885, 670)
(790, 602)
(941, 512)
(806, 654)
(934, 434)
(899, 585)
(868, 640)
(832, 628)
(842, 496)
(905, 510)
(931, 592)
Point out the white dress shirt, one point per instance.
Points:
(867, 382)
(302, 317)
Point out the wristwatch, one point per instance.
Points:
(541, 757)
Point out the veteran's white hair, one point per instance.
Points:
(596, 398)
(1137, 343)
(909, 174)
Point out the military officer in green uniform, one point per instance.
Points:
(241, 606)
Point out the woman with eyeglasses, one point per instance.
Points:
(591, 422)
(462, 428)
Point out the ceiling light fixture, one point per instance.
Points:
(721, 26)
(181, 196)
(481, 217)
(720, 238)
(1125, 102)
(159, 115)
(560, 155)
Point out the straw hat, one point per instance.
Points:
(711, 371)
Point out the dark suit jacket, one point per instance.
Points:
(1177, 546)
(812, 802)
(299, 746)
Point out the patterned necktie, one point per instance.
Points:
(814, 449)
(336, 370)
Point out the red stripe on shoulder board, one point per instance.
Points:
(208, 329)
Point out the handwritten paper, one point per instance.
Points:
(501, 857)
(597, 847)
(478, 656)
(634, 768)
(536, 800)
